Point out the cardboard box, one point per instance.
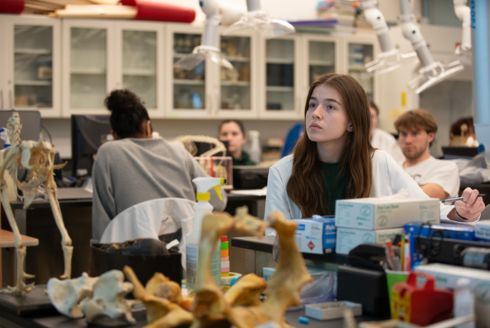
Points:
(348, 238)
(316, 235)
(383, 213)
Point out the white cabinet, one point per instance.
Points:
(321, 55)
(280, 78)
(100, 56)
(68, 66)
(291, 64)
(357, 51)
(188, 93)
(30, 64)
(238, 92)
(210, 91)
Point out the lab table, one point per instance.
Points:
(46, 260)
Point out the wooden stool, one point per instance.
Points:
(7, 241)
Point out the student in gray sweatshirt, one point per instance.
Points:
(136, 167)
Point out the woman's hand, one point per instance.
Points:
(470, 208)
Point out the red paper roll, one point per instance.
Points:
(11, 6)
(128, 2)
(151, 10)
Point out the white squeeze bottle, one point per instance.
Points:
(202, 207)
(255, 151)
(464, 302)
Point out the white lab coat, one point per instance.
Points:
(389, 178)
(151, 219)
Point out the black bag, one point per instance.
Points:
(144, 256)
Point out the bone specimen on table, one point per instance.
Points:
(160, 312)
(240, 306)
(37, 158)
(246, 291)
(108, 300)
(100, 300)
(66, 295)
(190, 144)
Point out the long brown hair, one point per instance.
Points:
(305, 186)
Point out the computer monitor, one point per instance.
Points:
(30, 120)
(88, 132)
(451, 152)
(249, 177)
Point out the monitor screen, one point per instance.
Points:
(88, 132)
(250, 177)
(451, 152)
(30, 120)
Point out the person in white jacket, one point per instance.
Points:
(381, 139)
(335, 160)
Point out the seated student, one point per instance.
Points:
(233, 133)
(417, 130)
(462, 133)
(136, 167)
(334, 159)
(381, 139)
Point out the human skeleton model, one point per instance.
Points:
(240, 306)
(37, 157)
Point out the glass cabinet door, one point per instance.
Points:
(139, 65)
(88, 67)
(358, 55)
(280, 85)
(321, 59)
(33, 67)
(235, 88)
(188, 85)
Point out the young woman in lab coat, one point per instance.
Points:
(335, 160)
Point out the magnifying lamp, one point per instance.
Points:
(259, 20)
(209, 48)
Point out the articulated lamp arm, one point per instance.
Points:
(390, 57)
(210, 42)
(432, 72)
(462, 11)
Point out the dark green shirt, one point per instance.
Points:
(244, 160)
(335, 185)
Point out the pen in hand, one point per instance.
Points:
(451, 200)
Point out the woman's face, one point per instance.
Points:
(326, 118)
(231, 133)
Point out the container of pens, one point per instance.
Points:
(392, 278)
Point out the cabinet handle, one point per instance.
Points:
(209, 101)
(11, 99)
(1, 99)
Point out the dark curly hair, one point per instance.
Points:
(128, 114)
